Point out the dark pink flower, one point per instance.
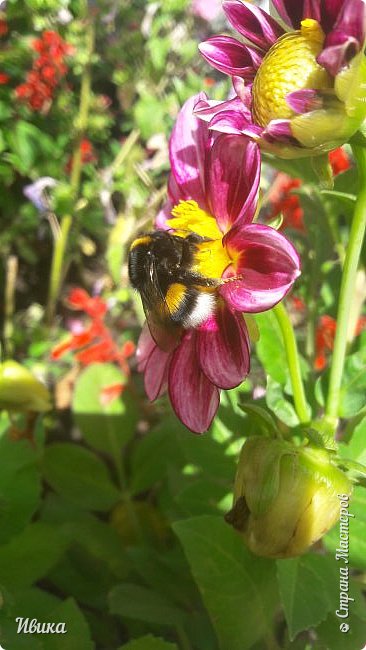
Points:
(299, 91)
(213, 192)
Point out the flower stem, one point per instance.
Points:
(60, 243)
(293, 361)
(351, 261)
(9, 305)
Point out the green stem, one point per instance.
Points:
(293, 361)
(60, 243)
(351, 261)
(9, 304)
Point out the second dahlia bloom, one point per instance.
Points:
(213, 191)
(300, 90)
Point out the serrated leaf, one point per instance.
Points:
(106, 427)
(304, 592)
(231, 580)
(149, 642)
(270, 348)
(78, 633)
(29, 556)
(80, 476)
(143, 604)
(20, 485)
(357, 530)
(280, 406)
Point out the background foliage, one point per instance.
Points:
(111, 512)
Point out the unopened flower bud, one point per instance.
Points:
(285, 497)
(20, 390)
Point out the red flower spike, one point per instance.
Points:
(109, 393)
(48, 70)
(285, 203)
(339, 161)
(4, 78)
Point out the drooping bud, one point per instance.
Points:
(285, 497)
(20, 390)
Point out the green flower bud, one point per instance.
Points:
(285, 497)
(20, 390)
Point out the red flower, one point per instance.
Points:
(48, 70)
(285, 203)
(4, 78)
(87, 154)
(324, 338)
(3, 27)
(339, 161)
(94, 344)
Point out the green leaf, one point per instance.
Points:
(107, 427)
(133, 601)
(280, 406)
(355, 449)
(79, 475)
(78, 633)
(270, 348)
(329, 632)
(353, 389)
(20, 485)
(29, 556)
(149, 642)
(304, 590)
(235, 585)
(148, 464)
(357, 530)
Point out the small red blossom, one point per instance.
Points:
(286, 203)
(4, 78)
(110, 393)
(339, 161)
(94, 343)
(87, 154)
(48, 70)
(3, 27)
(324, 338)
(298, 303)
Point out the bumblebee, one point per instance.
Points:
(174, 295)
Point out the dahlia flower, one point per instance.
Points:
(213, 191)
(301, 87)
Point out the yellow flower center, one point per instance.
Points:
(289, 65)
(212, 258)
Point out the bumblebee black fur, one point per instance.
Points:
(174, 296)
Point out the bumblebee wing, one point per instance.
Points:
(164, 331)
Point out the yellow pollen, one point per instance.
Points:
(211, 258)
(288, 66)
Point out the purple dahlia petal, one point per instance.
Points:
(279, 129)
(154, 363)
(188, 145)
(232, 180)
(267, 263)
(194, 398)
(229, 56)
(228, 122)
(144, 349)
(304, 101)
(163, 215)
(294, 11)
(253, 23)
(223, 348)
(207, 109)
(156, 373)
(346, 38)
(330, 11)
